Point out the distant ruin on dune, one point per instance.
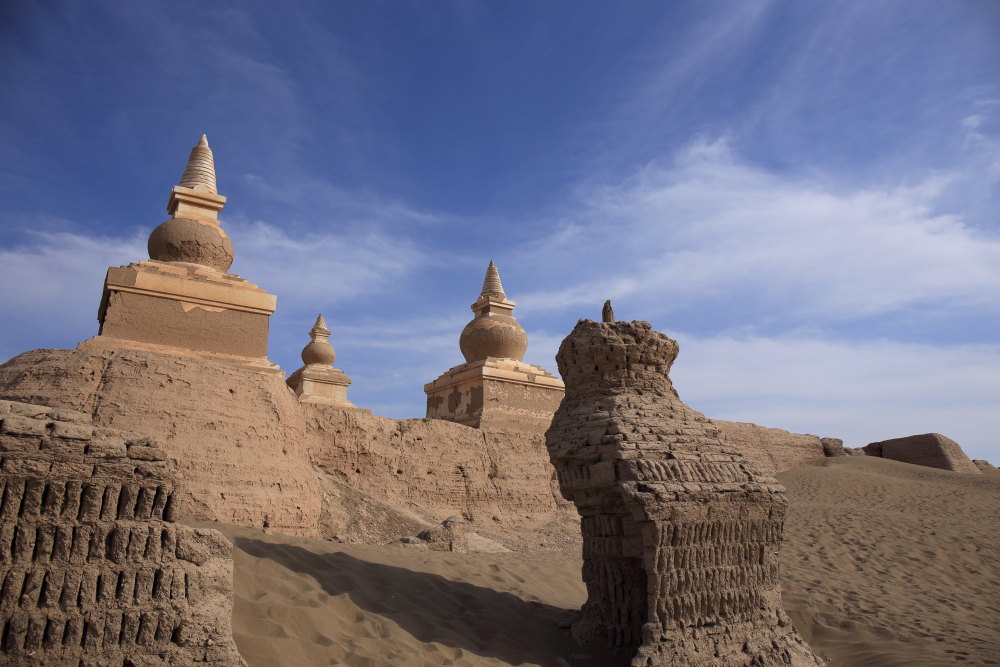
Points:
(180, 359)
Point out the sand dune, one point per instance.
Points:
(887, 563)
(884, 564)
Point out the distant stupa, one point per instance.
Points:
(181, 300)
(317, 381)
(494, 387)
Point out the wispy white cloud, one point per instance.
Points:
(712, 228)
(318, 268)
(325, 204)
(52, 285)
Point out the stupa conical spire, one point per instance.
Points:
(193, 235)
(199, 173)
(491, 284)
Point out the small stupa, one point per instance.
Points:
(495, 387)
(318, 381)
(182, 300)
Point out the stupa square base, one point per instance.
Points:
(495, 393)
(186, 306)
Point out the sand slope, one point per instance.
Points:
(884, 563)
(888, 563)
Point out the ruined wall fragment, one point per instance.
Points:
(772, 450)
(681, 532)
(92, 568)
(237, 435)
(927, 449)
(984, 465)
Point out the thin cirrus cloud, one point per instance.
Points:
(711, 226)
(316, 268)
(788, 263)
(53, 285)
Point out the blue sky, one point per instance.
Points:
(804, 194)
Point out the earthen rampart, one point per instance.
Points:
(246, 450)
(238, 435)
(772, 450)
(500, 482)
(928, 449)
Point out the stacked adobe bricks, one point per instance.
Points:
(93, 569)
(680, 532)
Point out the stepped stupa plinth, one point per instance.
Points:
(182, 300)
(318, 382)
(495, 387)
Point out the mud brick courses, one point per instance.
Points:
(93, 569)
(680, 532)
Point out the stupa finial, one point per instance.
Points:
(491, 284)
(607, 313)
(199, 174)
(493, 332)
(193, 235)
(319, 350)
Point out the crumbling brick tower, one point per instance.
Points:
(680, 532)
(93, 570)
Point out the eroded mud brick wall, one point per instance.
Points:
(927, 449)
(773, 450)
(680, 531)
(497, 480)
(237, 435)
(93, 569)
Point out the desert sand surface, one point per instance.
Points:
(884, 563)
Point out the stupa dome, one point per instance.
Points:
(318, 350)
(493, 332)
(193, 241)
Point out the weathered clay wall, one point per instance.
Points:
(245, 449)
(928, 449)
(238, 436)
(500, 482)
(772, 450)
(462, 403)
(680, 532)
(93, 569)
(518, 406)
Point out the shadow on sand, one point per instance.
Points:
(435, 609)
